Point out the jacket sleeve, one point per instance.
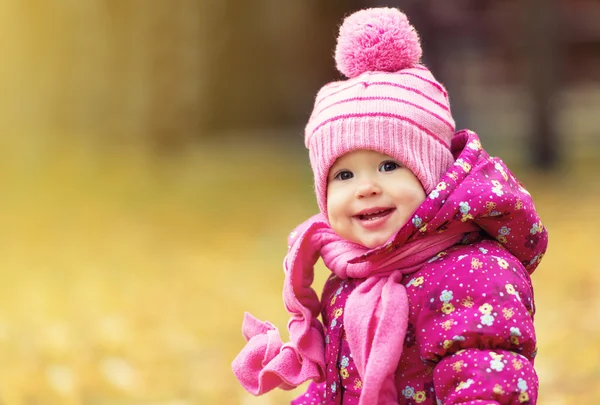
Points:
(475, 327)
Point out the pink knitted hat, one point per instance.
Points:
(390, 104)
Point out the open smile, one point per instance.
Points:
(374, 217)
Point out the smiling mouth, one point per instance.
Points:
(370, 216)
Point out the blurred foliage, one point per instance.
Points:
(167, 71)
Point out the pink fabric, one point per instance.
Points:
(466, 305)
(376, 319)
(470, 335)
(376, 39)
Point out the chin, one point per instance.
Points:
(374, 242)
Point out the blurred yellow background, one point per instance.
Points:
(152, 164)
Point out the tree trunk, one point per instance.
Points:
(542, 53)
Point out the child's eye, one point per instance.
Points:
(344, 175)
(388, 166)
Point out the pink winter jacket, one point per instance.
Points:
(471, 337)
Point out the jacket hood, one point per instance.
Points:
(477, 190)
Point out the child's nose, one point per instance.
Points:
(367, 188)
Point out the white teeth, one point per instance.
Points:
(372, 215)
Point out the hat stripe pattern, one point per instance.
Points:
(413, 90)
(394, 99)
(386, 115)
(419, 96)
(336, 86)
(434, 84)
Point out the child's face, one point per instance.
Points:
(370, 196)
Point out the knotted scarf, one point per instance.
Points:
(375, 317)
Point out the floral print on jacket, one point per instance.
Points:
(471, 337)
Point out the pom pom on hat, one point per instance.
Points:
(376, 39)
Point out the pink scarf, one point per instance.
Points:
(375, 317)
